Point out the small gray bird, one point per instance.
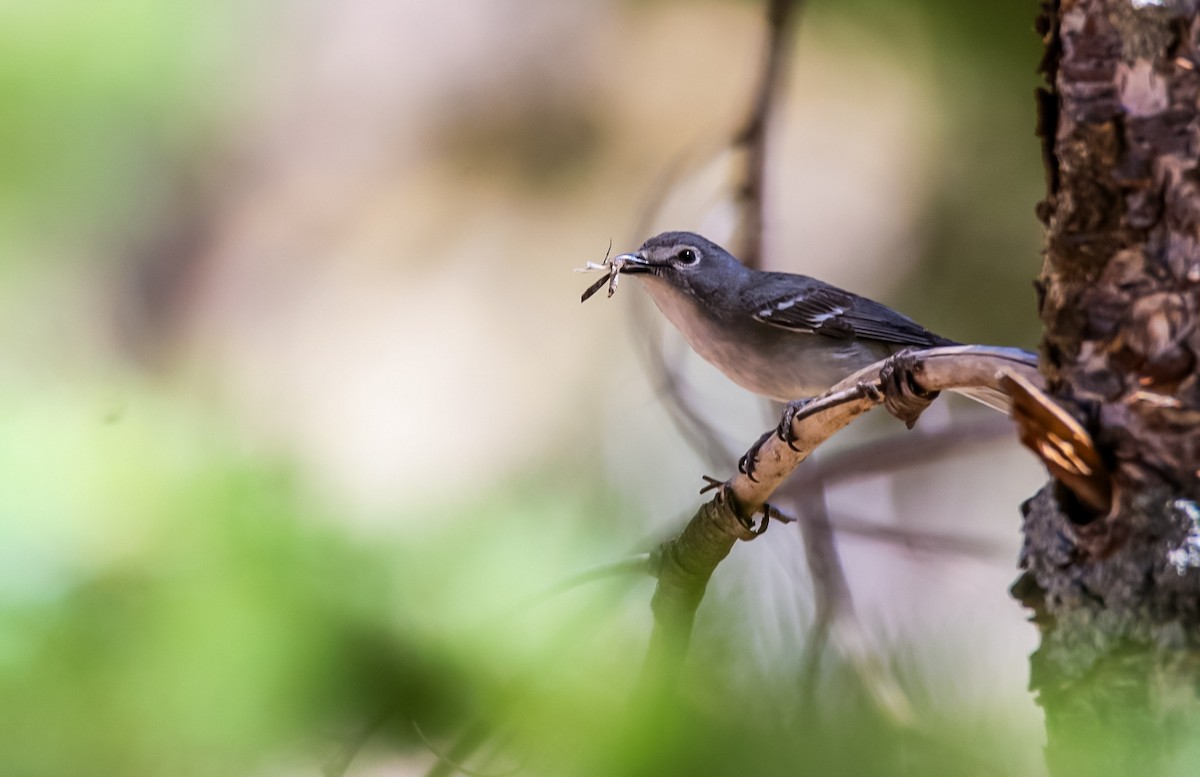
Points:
(779, 335)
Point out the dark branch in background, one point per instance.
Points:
(835, 614)
(913, 539)
(782, 18)
(829, 581)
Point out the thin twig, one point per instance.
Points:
(642, 563)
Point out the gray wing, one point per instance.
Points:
(803, 304)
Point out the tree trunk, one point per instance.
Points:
(1116, 592)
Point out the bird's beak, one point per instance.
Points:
(632, 264)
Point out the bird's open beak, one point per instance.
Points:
(632, 264)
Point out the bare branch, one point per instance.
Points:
(688, 561)
(685, 565)
(937, 369)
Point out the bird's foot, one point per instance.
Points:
(748, 462)
(784, 430)
(902, 393)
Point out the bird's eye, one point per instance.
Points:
(687, 256)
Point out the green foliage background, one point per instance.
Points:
(175, 600)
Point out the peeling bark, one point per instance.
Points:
(1117, 595)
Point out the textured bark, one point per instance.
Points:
(1117, 595)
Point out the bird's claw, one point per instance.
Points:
(748, 522)
(749, 461)
(785, 431)
(903, 395)
(769, 512)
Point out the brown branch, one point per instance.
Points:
(937, 369)
(688, 561)
(685, 565)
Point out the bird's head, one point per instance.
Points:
(685, 261)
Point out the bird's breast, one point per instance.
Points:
(769, 361)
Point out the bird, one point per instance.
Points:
(780, 335)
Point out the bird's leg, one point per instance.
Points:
(747, 463)
(784, 430)
(902, 393)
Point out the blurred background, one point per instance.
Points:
(300, 411)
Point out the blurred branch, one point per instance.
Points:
(337, 765)
(835, 613)
(642, 563)
(476, 734)
(666, 376)
(912, 538)
(911, 450)
(821, 554)
(445, 762)
(782, 17)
